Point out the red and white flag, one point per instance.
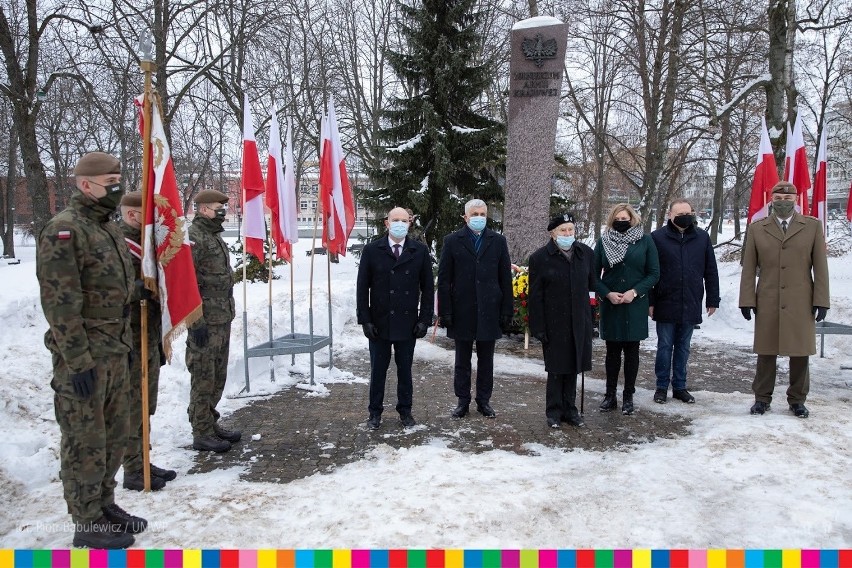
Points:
(820, 182)
(281, 192)
(796, 169)
(765, 177)
(338, 208)
(849, 206)
(167, 266)
(254, 224)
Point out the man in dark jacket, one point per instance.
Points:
(395, 292)
(687, 268)
(475, 302)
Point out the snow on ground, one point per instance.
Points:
(735, 481)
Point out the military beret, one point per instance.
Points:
(210, 196)
(784, 187)
(97, 164)
(559, 220)
(132, 199)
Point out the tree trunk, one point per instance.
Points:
(782, 32)
(7, 198)
(34, 172)
(719, 179)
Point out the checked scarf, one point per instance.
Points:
(615, 244)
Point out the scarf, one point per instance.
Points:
(615, 244)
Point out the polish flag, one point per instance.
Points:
(338, 208)
(796, 165)
(820, 179)
(254, 224)
(765, 177)
(281, 192)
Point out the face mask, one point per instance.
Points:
(220, 213)
(114, 193)
(398, 229)
(621, 226)
(684, 221)
(783, 208)
(564, 242)
(476, 223)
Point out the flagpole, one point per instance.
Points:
(311, 286)
(292, 304)
(330, 335)
(245, 265)
(269, 305)
(148, 66)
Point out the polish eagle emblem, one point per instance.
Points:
(538, 49)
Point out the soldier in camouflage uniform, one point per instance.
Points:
(131, 227)
(209, 338)
(86, 281)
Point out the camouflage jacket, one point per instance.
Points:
(86, 280)
(155, 326)
(212, 270)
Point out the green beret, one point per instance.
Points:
(210, 196)
(784, 187)
(132, 199)
(97, 164)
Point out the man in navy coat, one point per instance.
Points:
(475, 302)
(687, 268)
(394, 303)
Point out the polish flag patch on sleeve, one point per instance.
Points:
(63, 235)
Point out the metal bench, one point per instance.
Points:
(824, 328)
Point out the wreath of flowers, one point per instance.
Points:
(520, 292)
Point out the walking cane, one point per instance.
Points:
(582, 390)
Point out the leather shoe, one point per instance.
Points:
(759, 407)
(374, 421)
(799, 410)
(407, 420)
(683, 396)
(553, 423)
(135, 482)
(660, 396)
(461, 410)
(232, 436)
(166, 474)
(485, 410)
(126, 522)
(575, 420)
(210, 444)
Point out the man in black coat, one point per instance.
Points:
(561, 277)
(395, 292)
(687, 268)
(475, 302)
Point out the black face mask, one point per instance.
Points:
(220, 214)
(621, 226)
(684, 221)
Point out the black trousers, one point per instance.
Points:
(484, 370)
(612, 364)
(403, 356)
(560, 397)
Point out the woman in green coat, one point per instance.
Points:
(626, 260)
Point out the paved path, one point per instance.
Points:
(302, 435)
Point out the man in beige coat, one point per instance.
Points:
(787, 251)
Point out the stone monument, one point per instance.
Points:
(535, 84)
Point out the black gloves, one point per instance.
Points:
(162, 354)
(541, 336)
(142, 292)
(370, 331)
(820, 312)
(84, 383)
(747, 312)
(200, 335)
(506, 324)
(447, 320)
(420, 330)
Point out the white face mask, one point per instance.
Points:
(398, 229)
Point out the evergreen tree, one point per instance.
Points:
(437, 150)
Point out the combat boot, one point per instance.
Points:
(165, 474)
(627, 405)
(135, 482)
(101, 534)
(124, 520)
(609, 402)
(232, 436)
(210, 444)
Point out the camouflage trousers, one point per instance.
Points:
(94, 435)
(133, 454)
(208, 369)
